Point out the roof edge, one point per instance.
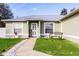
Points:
(70, 14)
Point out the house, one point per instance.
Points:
(69, 25)
(32, 26)
(41, 25)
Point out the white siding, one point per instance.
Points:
(2, 32)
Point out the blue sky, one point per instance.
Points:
(25, 9)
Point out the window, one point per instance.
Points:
(48, 27)
(17, 28)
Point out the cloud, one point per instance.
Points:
(33, 8)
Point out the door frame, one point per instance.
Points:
(33, 30)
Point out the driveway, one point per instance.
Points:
(26, 49)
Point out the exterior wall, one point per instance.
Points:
(25, 27)
(9, 28)
(38, 28)
(70, 26)
(57, 27)
(2, 32)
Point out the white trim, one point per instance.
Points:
(13, 26)
(2, 32)
(71, 36)
(61, 27)
(53, 27)
(22, 27)
(34, 30)
(44, 27)
(49, 23)
(13, 35)
(34, 35)
(39, 29)
(45, 34)
(28, 27)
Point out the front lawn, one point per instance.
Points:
(57, 47)
(7, 43)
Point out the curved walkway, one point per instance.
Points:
(26, 49)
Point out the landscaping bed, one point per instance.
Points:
(7, 43)
(57, 47)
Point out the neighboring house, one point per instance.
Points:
(41, 25)
(70, 24)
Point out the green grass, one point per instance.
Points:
(57, 47)
(7, 43)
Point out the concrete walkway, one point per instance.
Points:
(27, 49)
(12, 51)
(75, 40)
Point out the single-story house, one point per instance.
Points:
(41, 25)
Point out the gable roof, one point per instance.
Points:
(43, 17)
(36, 17)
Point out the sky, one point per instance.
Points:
(27, 9)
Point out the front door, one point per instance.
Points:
(34, 29)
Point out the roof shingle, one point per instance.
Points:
(36, 17)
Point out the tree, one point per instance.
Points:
(72, 9)
(5, 13)
(64, 11)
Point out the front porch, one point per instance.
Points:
(34, 28)
(40, 28)
(23, 29)
(31, 29)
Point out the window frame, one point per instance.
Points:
(21, 26)
(45, 26)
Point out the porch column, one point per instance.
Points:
(28, 28)
(39, 29)
(61, 26)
